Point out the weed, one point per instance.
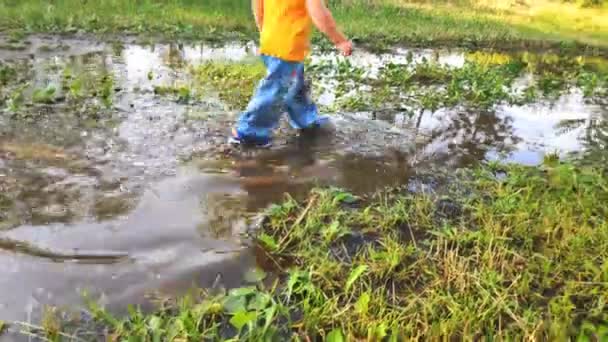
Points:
(16, 98)
(482, 83)
(51, 324)
(234, 82)
(107, 90)
(183, 93)
(75, 88)
(6, 74)
(46, 95)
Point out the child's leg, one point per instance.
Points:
(302, 110)
(264, 109)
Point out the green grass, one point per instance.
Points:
(502, 24)
(521, 256)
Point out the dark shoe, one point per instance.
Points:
(260, 142)
(322, 123)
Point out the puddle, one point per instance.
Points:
(149, 177)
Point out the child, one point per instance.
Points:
(285, 27)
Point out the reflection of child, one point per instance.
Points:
(285, 27)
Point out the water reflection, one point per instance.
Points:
(593, 132)
(463, 138)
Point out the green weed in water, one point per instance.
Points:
(484, 82)
(182, 93)
(7, 207)
(46, 95)
(106, 91)
(6, 74)
(233, 82)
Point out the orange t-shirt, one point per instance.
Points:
(286, 30)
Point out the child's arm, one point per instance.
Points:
(324, 21)
(258, 12)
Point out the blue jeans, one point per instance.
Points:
(282, 89)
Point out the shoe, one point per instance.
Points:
(237, 140)
(321, 123)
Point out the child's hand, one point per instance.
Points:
(345, 47)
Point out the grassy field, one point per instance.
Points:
(500, 23)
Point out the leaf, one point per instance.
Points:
(207, 306)
(379, 333)
(269, 242)
(354, 275)
(254, 275)
(2, 326)
(362, 304)
(44, 95)
(259, 302)
(335, 336)
(269, 315)
(235, 304)
(602, 332)
(297, 281)
(155, 323)
(331, 231)
(344, 197)
(582, 338)
(242, 291)
(292, 281)
(242, 318)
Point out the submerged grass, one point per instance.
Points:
(500, 24)
(520, 256)
(234, 82)
(483, 82)
(19, 95)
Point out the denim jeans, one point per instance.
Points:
(283, 89)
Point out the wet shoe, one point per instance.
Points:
(322, 123)
(238, 140)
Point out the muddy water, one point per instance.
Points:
(142, 196)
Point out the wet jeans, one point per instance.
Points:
(283, 89)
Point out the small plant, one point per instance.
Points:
(234, 82)
(51, 324)
(183, 93)
(6, 74)
(106, 91)
(75, 88)
(16, 98)
(45, 95)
